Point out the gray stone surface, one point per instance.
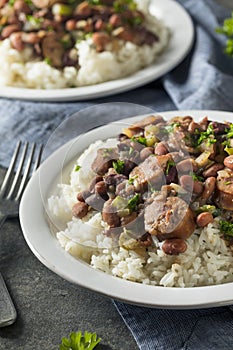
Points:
(49, 307)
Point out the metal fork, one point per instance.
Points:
(26, 160)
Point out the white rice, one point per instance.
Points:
(18, 69)
(207, 260)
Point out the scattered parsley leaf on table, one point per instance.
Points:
(227, 30)
(79, 341)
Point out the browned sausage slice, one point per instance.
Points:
(53, 49)
(169, 218)
(148, 172)
(224, 198)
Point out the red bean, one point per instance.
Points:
(110, 215)
(16, 41)
(81, 196)
(174, 246)
(209, 188)
(115, 20)
(161, 149)
(204, 219)
(100, 40)
(228, 162)
(80, 210)
(8, 30)
(146, 152)
(101, 189)
(213, 170)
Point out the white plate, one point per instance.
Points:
(47, 249)
(181, 26)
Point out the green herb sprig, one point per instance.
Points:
(227, 30)
(118, 165)
(226, 228)
(79, 341)
(207, 135)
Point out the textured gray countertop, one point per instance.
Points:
(49, 307)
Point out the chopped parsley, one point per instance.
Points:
(170, 127)
(229, 132)
(140, 139)
(123, 5)
(209, 208)
(196, 177)
(227, 30)
(207, 135)
(226, 227)
(132, 202)
(228, 183)
(79, 341)
(131, 179)
(77, 168)
(118, 165)
(48, 60)
(170, 164)
(35, 21)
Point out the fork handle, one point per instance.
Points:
(2, 218)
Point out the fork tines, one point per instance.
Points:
(24, 163)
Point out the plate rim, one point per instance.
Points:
(110, 286)
(109, 88)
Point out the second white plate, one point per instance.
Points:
(182, 30)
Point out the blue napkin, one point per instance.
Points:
(203, 81)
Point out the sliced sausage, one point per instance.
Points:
(169, 218)
(80, 210)
(104, 160)
(148, 172)
(53, 49)
(228, 162)
(109, 214)
(224, 184)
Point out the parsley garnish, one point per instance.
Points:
(123, 5)
(196, 177)
(229, 132)
(209, 208)
(79, 341)
(227, 30)
(132, 202)
(207, 135)
(170, 164)
(226, 227)
(140, 139)
(77, 168)
(48, 60)
(118, 165)
(131, 179)
(170, 127)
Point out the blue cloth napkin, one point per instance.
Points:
(203, 81)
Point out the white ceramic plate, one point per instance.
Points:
(181, 26)
(47, 249)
